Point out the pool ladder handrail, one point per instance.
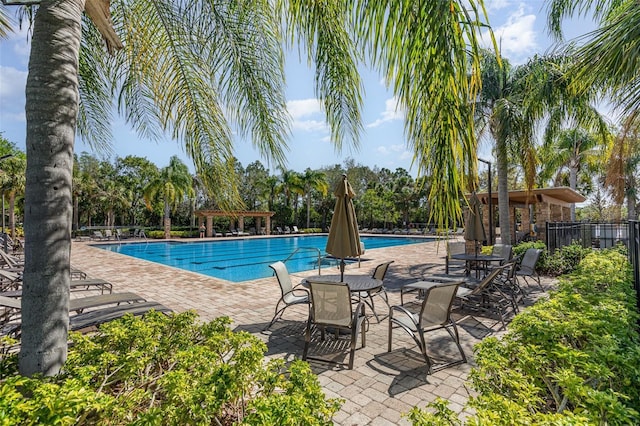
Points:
(307, 248)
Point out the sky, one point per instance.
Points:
(519, 27)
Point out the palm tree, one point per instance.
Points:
(313, 180)
(515, 101)
(173, 184)
(186, 67)
(622, 165)
(13, 180)
(574, 150)
(603, 60)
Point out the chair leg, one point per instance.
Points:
(307, 340)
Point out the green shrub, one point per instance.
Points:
(159, 234)
(571, 359)
(167, 370)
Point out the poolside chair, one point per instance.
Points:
(287, 230)
(108, 234)
(527, 267)
(435, 314)
(295, 230)
(454, 247)
(97, 235)
(331, 307)
(279, 230)
(379, 273)
(290, 295)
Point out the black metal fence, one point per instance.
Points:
(589, 234)
(599, 235)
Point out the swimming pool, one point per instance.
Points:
(241, 259)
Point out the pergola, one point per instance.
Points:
(208, 215)
(537, 206)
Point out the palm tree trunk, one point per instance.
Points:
(12, 214)
(51, 112)
(503, 192)
(167, 220)
(308, 210)
(573, 183)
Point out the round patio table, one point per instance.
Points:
(484, 259)
(356, 283)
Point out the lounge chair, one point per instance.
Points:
(331, 307)
(295, 230)
(125, 303)
(97, 235)
(435, 314)
(290, 295)
(241, 233)
(279, 230)
(108, 234)
(287, 230)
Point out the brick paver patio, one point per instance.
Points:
(382, 385)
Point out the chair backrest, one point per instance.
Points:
(331, 303)
(381, 270)
(529, 260)
(487, 280)
(456, 247)
(503, 250)
(283, 277)
(436, 306)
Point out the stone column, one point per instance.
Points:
(209, 226)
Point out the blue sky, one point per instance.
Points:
(520, 28)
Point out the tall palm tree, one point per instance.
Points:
(623, 164)
(187, 67)
(171, 187)
(515, 101)
(313, 180)
(575, 150)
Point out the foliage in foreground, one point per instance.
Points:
(573, 359)
(167, 370)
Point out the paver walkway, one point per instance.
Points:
(382, 385)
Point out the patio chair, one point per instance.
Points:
(435, 314)
(379, 273)
(331, 307)
(454, 247)
(290, 295)
(527, 267)
(295, 230)
(287, 230)
(98, 235)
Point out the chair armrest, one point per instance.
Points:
(403, 310)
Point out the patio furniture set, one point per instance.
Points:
(339, 307)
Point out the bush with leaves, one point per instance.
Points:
(167, 370)
(571, 359)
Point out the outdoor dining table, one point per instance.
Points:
(356, 283)
(481, 259)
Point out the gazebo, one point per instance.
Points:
(208, 215)
(537, 206)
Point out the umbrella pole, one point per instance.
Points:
(342, 264)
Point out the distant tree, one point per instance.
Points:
(171, 186)
(623, 165)
(313, 180)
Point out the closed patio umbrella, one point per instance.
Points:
(473, 227)
(344, 238)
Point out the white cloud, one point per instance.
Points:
(391, 112)
(516, 37)
(12, 83)
(303, 108)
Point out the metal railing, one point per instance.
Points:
(589, 234)
(299, 249)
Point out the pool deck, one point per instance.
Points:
(382, 385)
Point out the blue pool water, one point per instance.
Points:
(243, 259)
